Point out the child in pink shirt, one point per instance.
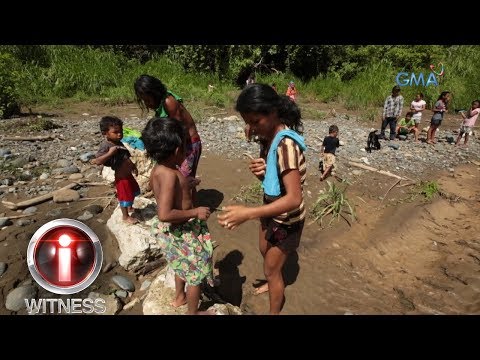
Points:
(468, 121)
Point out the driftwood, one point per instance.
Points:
(94, 198)
(30, 138)
(109, 201)
(386, 173)
(93, 184)
(17, 216)
(408, 184)
(35, 200)
(391, 187)
(150, 266)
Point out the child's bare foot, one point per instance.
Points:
(261, 289)
(130, 220)
(179, 301)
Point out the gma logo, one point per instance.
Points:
(407, 79)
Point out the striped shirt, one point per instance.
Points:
(393, 106)
(289, 157)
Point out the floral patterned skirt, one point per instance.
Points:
(187, 248)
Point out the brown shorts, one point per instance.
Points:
(328, 160)
(286, 237)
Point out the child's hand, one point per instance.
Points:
(258, 167)
(93, 162)
(115, 148)
(193, 182)
(232, 216)
(203, 213)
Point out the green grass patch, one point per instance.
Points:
(250, 194)
(429, 189)
(333, 203)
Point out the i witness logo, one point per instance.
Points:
(64, 256)
(412, 79)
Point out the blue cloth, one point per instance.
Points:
(271, 181)
(134, 142)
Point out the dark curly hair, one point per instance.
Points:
(162, 136)
(107, 122)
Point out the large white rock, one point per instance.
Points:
(144, 166)
(225, 309)
(161, 293)
(136, 244)
(158, 299)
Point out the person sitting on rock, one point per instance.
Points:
(114, 154)
(407, 125)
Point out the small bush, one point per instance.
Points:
(429, 189)
(334, 203)
(8, 95)
(250, 194)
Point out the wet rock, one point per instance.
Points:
(94, 209)
(7, 181)
(55, 213)
(85, 216)
(3, 268)
(123, 283)
(24, 222)
(4, 152)
(86, 157)
(16, 298)
(121, 294)
(145, 285)
(4, 221)
(30, 210)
